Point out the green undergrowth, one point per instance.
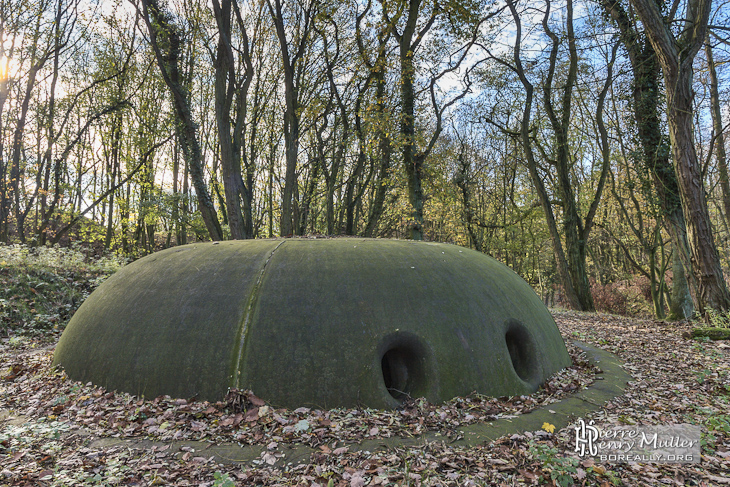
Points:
(717, 319)
(41, 287)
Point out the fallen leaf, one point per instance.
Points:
(256, 401)
(357, 480)
(588, 462)
(252, 414)
(302, 425)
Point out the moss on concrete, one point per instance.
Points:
(711, 333)
(167, 323)
(316, 322)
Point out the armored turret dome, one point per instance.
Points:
(314, 322)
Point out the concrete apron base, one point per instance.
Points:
(608, 385)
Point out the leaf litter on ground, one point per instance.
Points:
(675, 381)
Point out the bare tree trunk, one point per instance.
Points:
(224, 92)
(676, 57)
(185, 204)
(463, 182)
(705, 259)
(229, 90)
(681, 305)
(412, 161)
(124, 215)
(160, 26)
(720, 155)
(655, 146)
(4, 91)
(573, 231)
(17, 149)
(352, 195)
(176, 192)
(560, 261)
(291, 112)
(38, 59)
(571, 259)
(409, 40)
(113, 170)
(377, 70)
(384, 155)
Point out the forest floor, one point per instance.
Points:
(51, 425)
(57, 432)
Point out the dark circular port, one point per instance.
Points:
(522, 351)
(403, 365)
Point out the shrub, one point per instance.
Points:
(41, 287)
(609, 298)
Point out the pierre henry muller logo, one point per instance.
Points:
(585, 438)
(672, 443)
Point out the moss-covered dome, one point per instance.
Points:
(314, 322)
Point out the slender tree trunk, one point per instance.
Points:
(116, 140)
(185, 205)
(571, 259)
(384, 155)
(720, 155)
(48, 159)
(655, 155)
(271, 192)
(4, 201)
(159, 25)
(224, 91)
(17, 150)
(705, 259)
(408, 42)
(291, 135)
(463, 182)
(412, 163)
(573, 231)
(681, 305)
(114, 167)
(561, 263)
(124, 205)
(655, 287)
(377, 71)
(229, 89)
(291, 112)
(176, 191)
(676, 57)
(37, 62)
(309, 190)
(351, 195)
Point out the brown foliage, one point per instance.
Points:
(609, 298)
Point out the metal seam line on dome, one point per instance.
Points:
(248, 313)
(265, 311)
